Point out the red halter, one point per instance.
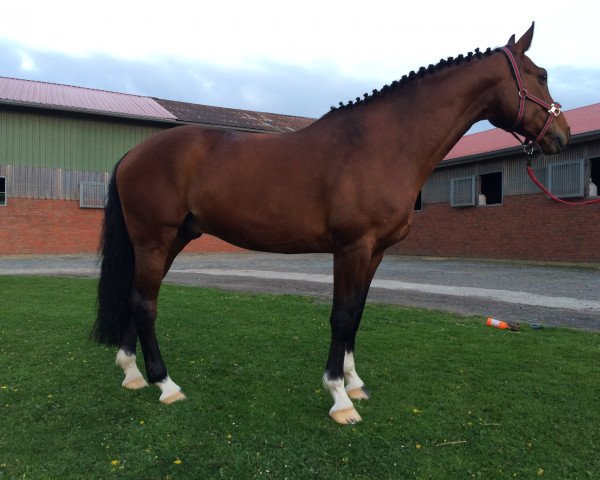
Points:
(553, 109)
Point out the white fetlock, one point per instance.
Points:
(133, 377)
(354, 385)
(171, 392)
(343, 410)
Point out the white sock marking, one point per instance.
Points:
(341, 401)
(168, 387)
(353, 381)
(127, 363)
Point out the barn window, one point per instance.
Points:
(92, 194)
(2, 191)
(490, 189)
(462, 191)
(594, 176)
(565, 179)
(418, 203)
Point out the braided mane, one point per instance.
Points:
(411, 76)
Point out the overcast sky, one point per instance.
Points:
(296, 58)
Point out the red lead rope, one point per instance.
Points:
(554, 197)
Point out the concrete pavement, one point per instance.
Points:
(518, 292)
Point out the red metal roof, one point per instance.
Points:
(581, 120)
(33, 93)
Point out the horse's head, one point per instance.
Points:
(527, 107)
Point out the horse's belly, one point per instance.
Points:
(247, 228)
(273, 243)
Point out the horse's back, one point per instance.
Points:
(171, 155)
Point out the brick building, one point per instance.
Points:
(513, 218)
(58, 145)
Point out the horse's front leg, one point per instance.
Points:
(353, 271)
(355, 387)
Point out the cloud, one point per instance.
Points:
(27, 63)
(268, 86)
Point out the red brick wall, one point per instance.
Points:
(60, 226)
(524, 227)
(530, 227)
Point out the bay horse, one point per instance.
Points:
(345, 185)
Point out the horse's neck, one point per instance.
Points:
(420, 122)
(443, 106)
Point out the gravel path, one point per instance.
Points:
(529, 293)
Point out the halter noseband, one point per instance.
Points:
(553, 109)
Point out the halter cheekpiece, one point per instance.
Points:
(554, 109)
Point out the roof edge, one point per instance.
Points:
(506, 152)
(88, 111)
(243, 110)
(125, 116)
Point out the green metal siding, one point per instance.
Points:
(55, 140)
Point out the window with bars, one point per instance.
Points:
(566, 179)
(3, 191)
(92, 194)
(462, 191)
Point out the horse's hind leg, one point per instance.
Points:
(126, 359)
(149, 272)
(126, 356)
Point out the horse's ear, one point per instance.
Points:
(525, 41)
(511, 41)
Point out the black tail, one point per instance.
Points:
(117, 271)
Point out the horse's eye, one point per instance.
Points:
(544, 78)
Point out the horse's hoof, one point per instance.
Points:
(360, 393)
(136, 383)
(173, 398)
(348, 416)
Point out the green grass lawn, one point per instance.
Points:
(451, 398)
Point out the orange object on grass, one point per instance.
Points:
(492, 322)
